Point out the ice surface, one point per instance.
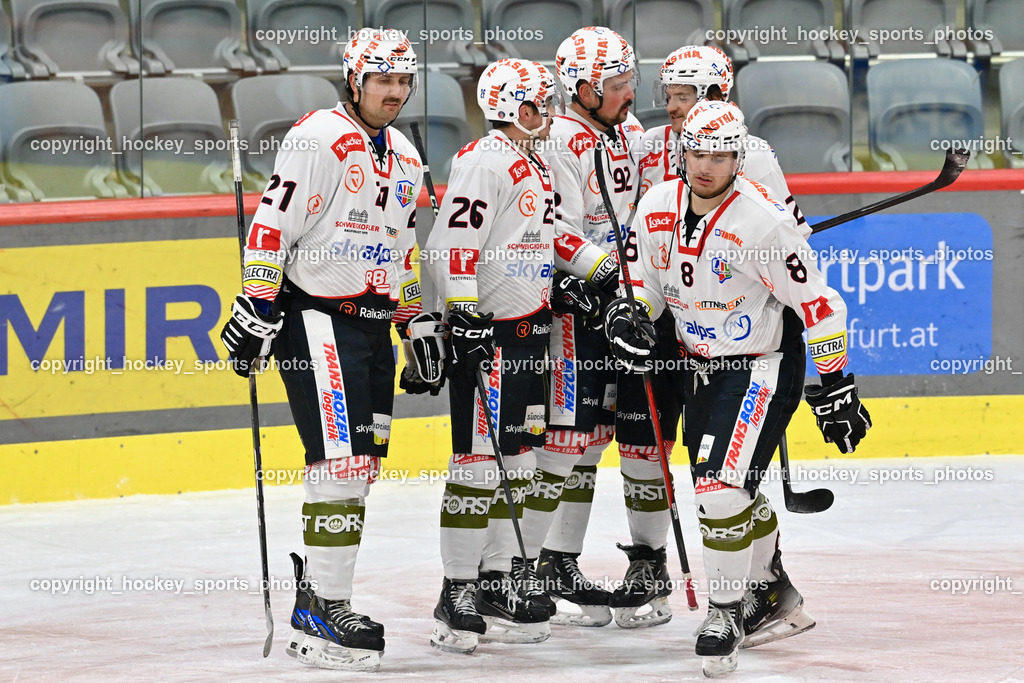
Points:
(866, 568)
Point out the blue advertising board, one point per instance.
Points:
(918, 289)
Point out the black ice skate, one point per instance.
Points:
(775, 611)
(303, 598)
(647, 583)
(338, 638)
(560, 576)
(524, 575)
(509, 618)
(719, 638)
(457, 625)
(300, 613)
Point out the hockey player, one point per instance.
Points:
(692, 74)
(326, 273)
(491, 252)
(730, 264)
(597, 69)
(689, 75)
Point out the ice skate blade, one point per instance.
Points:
(588, 615)
(793, 623)
(446, 639)
(714, 667)
(660, 612)
(513, 632)
(326, 655)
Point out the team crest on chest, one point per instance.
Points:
(720, 267)
(403, 191)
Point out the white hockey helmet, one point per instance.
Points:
(714, 127)
(701, 66)
(594, 54)
(378, 51)
(508, 83)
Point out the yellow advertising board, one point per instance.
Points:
(97, 329)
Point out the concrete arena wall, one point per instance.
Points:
(134, 278)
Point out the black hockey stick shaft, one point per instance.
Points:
(480, 389)
(677, 529)
(254, 406)
(956, 160)
(418, 141)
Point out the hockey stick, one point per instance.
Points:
(807, 502)
(956, 159)
(677, 529)
(819, 500)
(254, 409)
(480, 389)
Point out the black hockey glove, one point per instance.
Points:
(423, 342)
(573, 295)
(470, 343)
(633, 347)
(247, 336)
(841, 417)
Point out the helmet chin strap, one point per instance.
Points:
(533, 133)
(593, 110)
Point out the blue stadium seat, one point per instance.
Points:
(532, 29)
(9, 68)
(54, 142)
(781, 22)
(1002, 19)
(85, 38)
(266, 107)
(1011, 100)
(662, 26)
(440, 108)
(916, 105)
(320, 49)
(904, 27)
(453, 20)
(183, 142)
(203, 36)
(802, 109)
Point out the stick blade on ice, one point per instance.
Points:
(809, 502)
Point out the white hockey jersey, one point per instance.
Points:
(581, 219)
(338, 221)
(658, 165)
(727, 285)
(492, 245)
